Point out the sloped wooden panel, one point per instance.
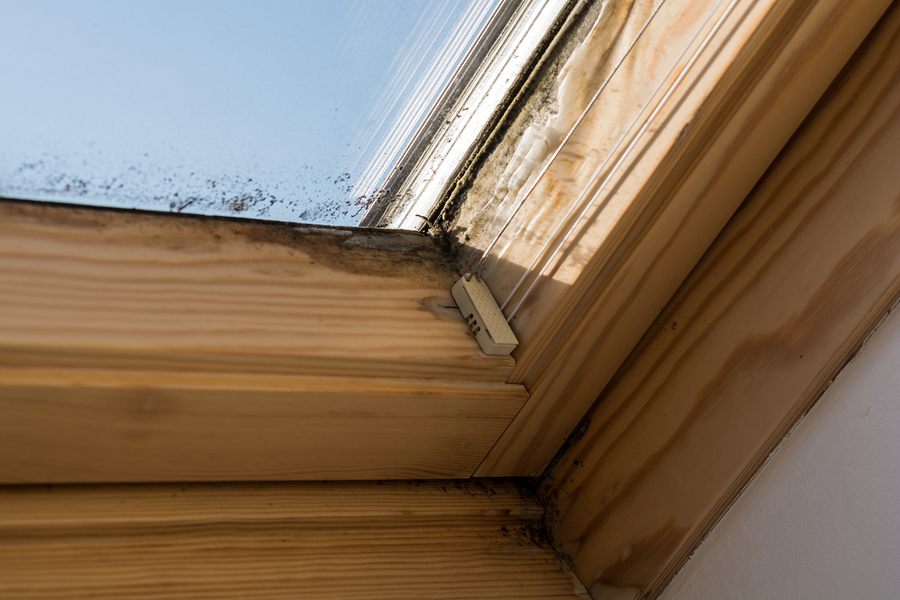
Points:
(780, 302)
(734, 107)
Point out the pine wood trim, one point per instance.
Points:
(780, 302)
(94, 287)
(350, 540)
(147, 347)
(749, 91)
(82, 425)
(130, 509)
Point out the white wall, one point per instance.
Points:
(822, 518)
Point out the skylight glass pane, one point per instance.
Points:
(292, 111)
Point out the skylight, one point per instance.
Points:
(290, 111)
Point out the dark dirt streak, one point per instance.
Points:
(409, 257)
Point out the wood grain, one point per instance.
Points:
(63, 426)
(141, 347)
(750, 89)
(776, 307)
(125, 509)
(98, 288)
(372, 540)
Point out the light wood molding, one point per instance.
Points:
(81, 425)
(372, 540)
(780, 302)
(141, 347)
(726, 121)
(93, 287)
(130, 509)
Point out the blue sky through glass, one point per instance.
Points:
(258, 109)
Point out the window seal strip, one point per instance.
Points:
(491, 73)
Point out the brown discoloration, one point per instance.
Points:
(470, 216)
(751, 367)
(638, 561)
(756, 361)
(674, 195)
(376, 253)
(714, 276)
(781, 301)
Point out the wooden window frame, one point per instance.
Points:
(192, 410)
(752, 85)
(789, 292)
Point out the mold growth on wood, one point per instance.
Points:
(529, 130)
(405, 254)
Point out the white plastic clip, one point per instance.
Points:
(480, 310)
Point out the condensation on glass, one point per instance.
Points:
(289, 111)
